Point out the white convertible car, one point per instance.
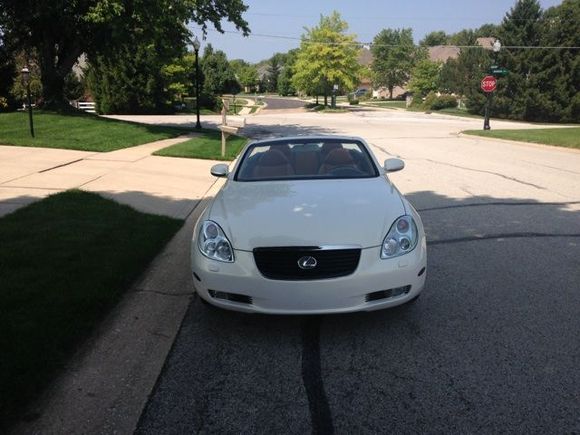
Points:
(308, 225)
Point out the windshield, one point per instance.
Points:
(306, 159)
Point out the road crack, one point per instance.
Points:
(157, 292)
(497, 174)
(312, 377)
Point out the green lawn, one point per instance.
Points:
(64, 262)
(78, 132)
(563, 137)
(399, 104)
(458, 112)
(206, 146)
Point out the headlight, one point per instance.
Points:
(213, 243)
(401, 238)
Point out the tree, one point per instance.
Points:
(74, 88)
(275, 65)
(129, 81)
(438, 37)
(179, 77)
(520, 27)
(19, 89)
(61, 31)
(425, 77)
(555, 95)
(248, 77)
(463, 38)
(285, 86)
(327, 56)
(487, 30)
(7, 76)
(394, 56)
(219, 77)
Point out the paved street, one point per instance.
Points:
(491, 346)
(274, 103)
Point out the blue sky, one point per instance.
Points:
(365, 18)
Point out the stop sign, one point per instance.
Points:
(488, 84)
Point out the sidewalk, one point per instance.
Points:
(132, 176)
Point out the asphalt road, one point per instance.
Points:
(283, 103)
(492, 345)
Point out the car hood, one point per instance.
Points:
(306, 212)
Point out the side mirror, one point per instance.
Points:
(394, 165)
(220, 170)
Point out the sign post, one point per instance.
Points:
(488, 85)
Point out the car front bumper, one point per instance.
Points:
(324, 296)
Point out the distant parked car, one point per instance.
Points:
(360, 92)
(308, 225)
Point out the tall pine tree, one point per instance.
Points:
(519, 90)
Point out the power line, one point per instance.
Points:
(399, 18)
(370, 44)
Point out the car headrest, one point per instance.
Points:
(339, 157)
(273, 157)
(328, 147)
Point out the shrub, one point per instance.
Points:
(210, 101)
(444, 102)
(366, 96)
(435, 102)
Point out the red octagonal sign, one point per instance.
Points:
(488, 84)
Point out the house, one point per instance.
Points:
(442, 53)
(437, 53)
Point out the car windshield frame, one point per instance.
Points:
(373, 173)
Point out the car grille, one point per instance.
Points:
(282, 262)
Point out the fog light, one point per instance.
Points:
(398, 291)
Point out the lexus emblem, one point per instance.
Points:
(307, 262)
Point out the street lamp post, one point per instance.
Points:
(26, 77)
(496, 48)
(196, 46)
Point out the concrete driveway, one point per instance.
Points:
(491, 346)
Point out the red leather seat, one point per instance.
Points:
(336, 159)
(273, 163)
(306, 162)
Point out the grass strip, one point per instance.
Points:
(84, 132)
(64, 263)
(568, 137)
(400, 104)
(208, 145)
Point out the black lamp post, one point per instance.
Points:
(196, 46)
(26, 77)
(496, 48)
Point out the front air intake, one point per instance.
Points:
(387, 294)
(232, 297)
